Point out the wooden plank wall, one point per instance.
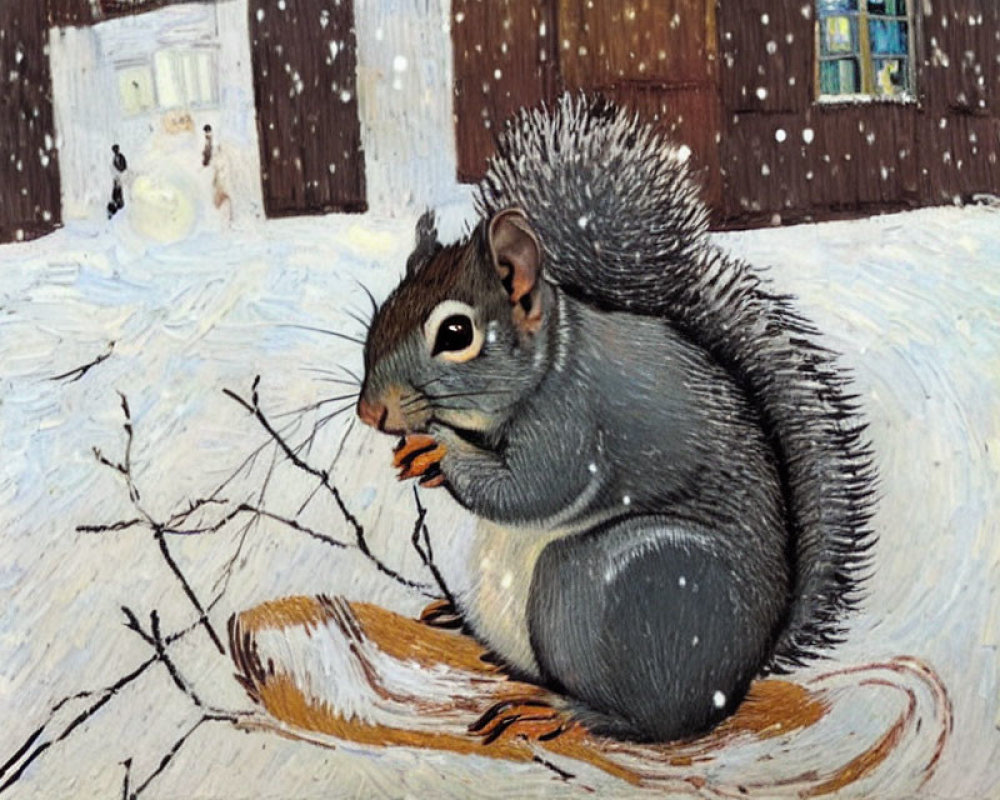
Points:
(29, 163)
(657, 57)
(785, 158)
(505, 59)
(305, 86)
(84, 12)
(960, 89)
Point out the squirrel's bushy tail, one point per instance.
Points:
(604, 190)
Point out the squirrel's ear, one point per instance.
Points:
(426, 244)
(516, 253)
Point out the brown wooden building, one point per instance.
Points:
(793, 110)
(742, 83)
(307, 119)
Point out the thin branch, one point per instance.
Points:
(333, 462)
(121, 525)
(132, 623)
(176, 748)
(158, 534)
(227, 569)
(193, 506)
(125, 469)
(80, 371)
(323, 476)
(421, 541)
(307, 443)
(105, 695)
(161, 652)
(253, 523)
(133, 491)
(127, 763)
(246, 508)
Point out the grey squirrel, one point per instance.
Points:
(672, 479)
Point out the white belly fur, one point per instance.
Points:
(496, 605)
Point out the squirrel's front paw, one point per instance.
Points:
(419, 455)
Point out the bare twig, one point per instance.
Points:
(421, 540)
(176, 748)
(161, 652)
(127, 763)
(256, 511)
(78, 372)
(188, 591)
(182, 523)
(124, 468)
(333, 462)
(194, 505)
(22, 758)
(121, 525)
(323, 476)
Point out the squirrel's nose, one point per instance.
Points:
(373, 414)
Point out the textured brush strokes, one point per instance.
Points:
(912, 301)
(310, 142)
(405, 685)
(29, 164)
(723, 306)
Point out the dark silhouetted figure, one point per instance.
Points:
(117, 195)
(206, 154)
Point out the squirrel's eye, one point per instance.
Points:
(454, 333)
(451, 332)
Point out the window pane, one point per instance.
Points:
(839, 77)
(838, 36)
(891, 76)
(890, 8)
(185, 77)
(887, 36)
(169, 79)
(205, 92)
(827, 7)
(135, 88)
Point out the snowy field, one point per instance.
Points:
(912, 300)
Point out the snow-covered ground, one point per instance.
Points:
(912, 300)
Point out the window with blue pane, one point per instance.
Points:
(864, 48)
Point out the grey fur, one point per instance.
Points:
(664, 427)
(642, 247)
(644, 620)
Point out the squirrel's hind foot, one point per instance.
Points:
(533, 718)
(442, 614)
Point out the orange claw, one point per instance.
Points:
(409, 445)
(420, 455)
